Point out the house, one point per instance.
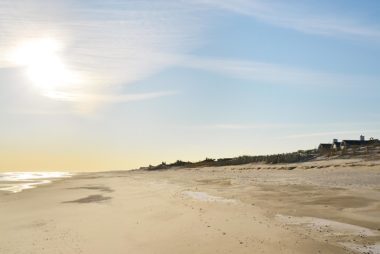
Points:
(327, 147)
(324, 148)
(336, 145)
(346, 144)
(352, 143)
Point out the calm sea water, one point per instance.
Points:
(19, 181)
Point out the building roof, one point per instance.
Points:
(356, 142)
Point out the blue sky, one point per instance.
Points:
(96, 85)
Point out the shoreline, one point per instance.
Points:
(15, 182)
(237, 209)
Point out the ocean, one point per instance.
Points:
(18, 181)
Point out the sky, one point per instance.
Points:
(110, 85)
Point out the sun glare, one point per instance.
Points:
(44, 66)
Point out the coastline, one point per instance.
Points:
(317, 207)
(15, 182)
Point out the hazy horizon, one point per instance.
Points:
(111, 85)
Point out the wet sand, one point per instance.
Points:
(314, 207)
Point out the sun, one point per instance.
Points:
(44, 66)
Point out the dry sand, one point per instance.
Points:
(314, 207)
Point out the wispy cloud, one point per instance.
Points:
(107, 44)
(110, 98)
(295, 15)
(88, 103)
(274, 73)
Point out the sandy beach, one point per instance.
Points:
(330, 206)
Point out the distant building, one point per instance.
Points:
(336, 145)
(346, 144)
(327, 147)
(358, 143)
(324, 148)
